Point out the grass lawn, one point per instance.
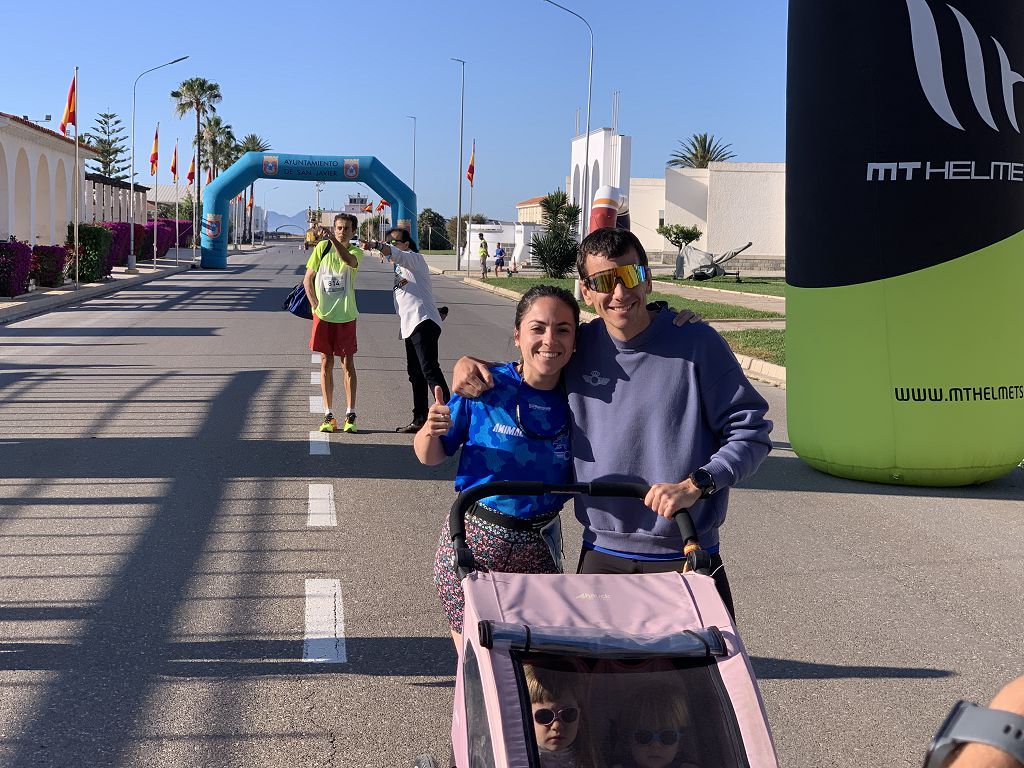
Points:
(768, 286)
(709, 310)
(763, 343)
(438, 253)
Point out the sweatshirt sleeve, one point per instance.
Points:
(736, 413)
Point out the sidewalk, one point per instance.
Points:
(46, 299)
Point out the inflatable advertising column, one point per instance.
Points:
(905, 238)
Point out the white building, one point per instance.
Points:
(37, 170)
(731, 203)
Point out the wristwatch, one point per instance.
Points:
(968, 722)
(703, 480)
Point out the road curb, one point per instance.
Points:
(62, 297)
(761, 370)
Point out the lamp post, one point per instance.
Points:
(266, 218)
(413, 118)
(132, 269)
(462, 114)
(585, 224)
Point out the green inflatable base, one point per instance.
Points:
(912, 380)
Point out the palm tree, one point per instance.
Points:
(219, 142)
(555, 247)
(699, 150)
(252, 143)
(199, 95)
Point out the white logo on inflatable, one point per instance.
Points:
(928, 59)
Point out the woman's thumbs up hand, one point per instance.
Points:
(439, 417)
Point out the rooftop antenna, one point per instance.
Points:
(615, 111)
(577, 122)
(46, 119)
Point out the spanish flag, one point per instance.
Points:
(472, 166)
(368, 208)
(209, 176)
(382, 205)
(154, 155)
(248, 205)
(71, 108)
(191, 177)
(174, 163)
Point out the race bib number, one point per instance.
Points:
(334, 282)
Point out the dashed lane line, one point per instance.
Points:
(319, 444)
(324, 640)
(316, 403)
(321, 506)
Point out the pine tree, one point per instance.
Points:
(109, 141)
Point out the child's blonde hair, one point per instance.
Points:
(544, 684)
(661, 706)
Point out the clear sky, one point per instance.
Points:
(340, 78)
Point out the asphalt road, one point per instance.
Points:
(155, 550)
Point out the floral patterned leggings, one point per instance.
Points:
(494, 548)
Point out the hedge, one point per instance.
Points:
(49, 265)
(94, 260)
(15, 265)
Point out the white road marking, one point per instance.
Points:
(325, 623)
(315, 358)
(319, 444)
(321, 506)
(316, 403)
(314, 378)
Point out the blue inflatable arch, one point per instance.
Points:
(263, 165)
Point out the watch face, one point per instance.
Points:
(703, 479)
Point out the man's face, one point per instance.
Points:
(397, 240)
(343, 230)
(623, 310)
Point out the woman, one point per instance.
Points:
(518, 430)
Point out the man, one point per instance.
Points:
(483, 256)
(330, 284)
(653, 401)
(499, 261)
(420, 322)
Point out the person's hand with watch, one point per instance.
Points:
(980, 737)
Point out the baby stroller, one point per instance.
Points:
(635, 666)
(694, 264)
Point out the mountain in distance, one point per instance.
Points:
(298, 222)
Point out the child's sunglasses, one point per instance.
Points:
(631, 276)
(666, 737)
(548, 716)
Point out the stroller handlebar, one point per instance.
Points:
(457, 518)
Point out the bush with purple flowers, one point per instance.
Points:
(15, 265)
(49, 263)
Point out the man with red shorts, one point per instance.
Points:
(330, 284)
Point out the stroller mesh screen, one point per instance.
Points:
(646, 713)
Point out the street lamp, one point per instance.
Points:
(131, 197)
(585, 224)
(413, 118)
(266, 217)
(462, 114)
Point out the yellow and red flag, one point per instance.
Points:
(382, 205)
(71, 108)
(248, 205)
(191, 177)
(472, 165)
(368, 208)
(154, 155)
(174, 163)
(209, 176)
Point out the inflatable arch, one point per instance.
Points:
(263, 165)
(905, 239)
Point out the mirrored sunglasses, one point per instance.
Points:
(666, 737)
(630, 275)
(548, 716)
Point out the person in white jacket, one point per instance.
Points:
(420, 322)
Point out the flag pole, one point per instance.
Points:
(156, 191)
(469, 224)
(177, 214)
(77, 183)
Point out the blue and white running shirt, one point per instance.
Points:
(494, 448)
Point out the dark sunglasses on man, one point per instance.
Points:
(630, 275)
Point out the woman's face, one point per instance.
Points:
(648, 746)
(556, 734)
(546, 337)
